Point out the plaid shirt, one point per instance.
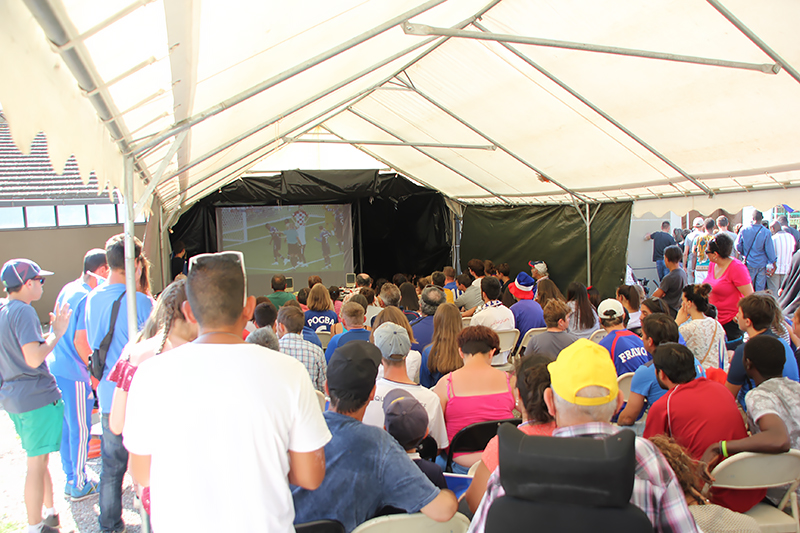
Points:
(309, 354)
(655, 489)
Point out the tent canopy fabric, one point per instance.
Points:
(493, 102)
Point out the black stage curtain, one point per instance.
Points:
(555, 235)
(399, 226)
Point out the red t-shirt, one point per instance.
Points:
(698, 414)
(724, 292)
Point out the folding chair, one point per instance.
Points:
(624, 383)
(748, 470)
(527, 338)
(508, 341)
(428, 449)
(474, 438)
(324, 338)
(417, 522)
(598, 335)
(320, 526)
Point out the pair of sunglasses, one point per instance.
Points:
(233, 258)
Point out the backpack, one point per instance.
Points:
(97, 361)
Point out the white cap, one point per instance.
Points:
(699, 222)
(610, 309)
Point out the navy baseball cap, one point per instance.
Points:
(404, 418)
(353, 368)
(17, 271)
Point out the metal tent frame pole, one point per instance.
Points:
(750, 34)
(603, 114)
(587, 220)
(424, 30)
(130, 249)
(283, 76)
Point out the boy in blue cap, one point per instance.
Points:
(28, 391)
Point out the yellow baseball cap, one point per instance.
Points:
(583, 364)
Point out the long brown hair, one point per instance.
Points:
(444, 356)
(546, 290)
(319, 299)
(392, 314)
(167, 310)
(692, 475)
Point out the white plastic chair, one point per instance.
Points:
(465, 320)
(508, 339)
(417, 522)
(624, 382)
(598, 335)
(531, 333)
(324, 338)
(748, 470)
(322, 400)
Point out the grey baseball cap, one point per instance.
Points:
(392, 340)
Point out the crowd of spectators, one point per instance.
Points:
(414, 358)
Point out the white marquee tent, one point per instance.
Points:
(674, 104)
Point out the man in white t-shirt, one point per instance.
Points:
(784, 243)
(493, 314)
(194, 409)
(393, 342)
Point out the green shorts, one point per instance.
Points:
(40, 429)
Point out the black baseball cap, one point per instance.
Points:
(353, 368)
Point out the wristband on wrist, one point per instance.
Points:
(724, 447)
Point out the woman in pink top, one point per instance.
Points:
(730, 282)
(475, 392)
(532, 380)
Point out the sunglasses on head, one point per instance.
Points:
(232, 258)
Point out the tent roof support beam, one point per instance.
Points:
(97, 28)
(351, 100)
(602, 113)
(488, 147)
(750, 34)
(423, 152)
(133, 70)
(499, 145)
(173, 149)
(421, 29)
(298, 107)
(313, 123)
(285, 75)
(76, 58)
(379, 158)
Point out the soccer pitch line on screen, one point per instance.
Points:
(231, 242)
(297, 267)
(270, 222)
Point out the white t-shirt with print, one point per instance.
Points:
(218, 421)
(430, 401)
(413, 362)
(777, 396)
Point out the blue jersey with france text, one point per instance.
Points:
(626, 349)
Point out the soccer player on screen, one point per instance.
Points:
(291, 242)
(275, 236)
(338, 227)
(324, 235)
(300, 217)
